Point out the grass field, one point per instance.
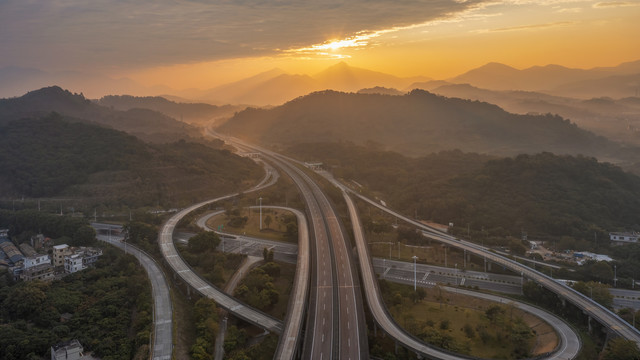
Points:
(275, 231)
(461, 318)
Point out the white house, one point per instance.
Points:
(36, 259)
(73, 263)
(624, 237)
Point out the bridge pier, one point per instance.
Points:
(396, 349)
(589, 323)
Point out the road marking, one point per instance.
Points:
(425, 276)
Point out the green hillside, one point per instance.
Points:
(146, 124)
(545, 195)
(414, 124)
(52, 157)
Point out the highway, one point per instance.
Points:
(249, 263)
(335, 324)
(595, 310)
(569, 344)
(162, 346)
(184, 271)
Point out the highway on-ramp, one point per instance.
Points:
(162, 346)
(595, 310)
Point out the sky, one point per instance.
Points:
(201, 44)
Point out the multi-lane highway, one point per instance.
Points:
(335, 323)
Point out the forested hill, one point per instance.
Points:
(47, 157)
(193, 113)
(146, 124)
(414, 124)
(542, 194)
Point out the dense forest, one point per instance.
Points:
(50, 156)
(544, 195)
(110, 307)
(146, 124)
(26, 223)
(415, 124)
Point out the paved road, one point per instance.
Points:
(289, 340)
(172, 257)
(623, 298)
(595, 310)
(570, 343)
(569, 346)
(335, 326)
(249, 263)
(162, 347)
(429, 275)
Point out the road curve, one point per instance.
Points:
(595, 310)
(162, 347)
(569, 344)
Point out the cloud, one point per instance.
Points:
(611, 4)
(121, 34)
(532, 27)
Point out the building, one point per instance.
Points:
(42, 272)
(89, 255)
(36, 259)
(27, 250)
(73, 263)
(12, 253)
(624, 237)
(59, 252)
(38, 241)
(68, 350)
(80, 259)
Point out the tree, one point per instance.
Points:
(84, 236)
(599, 292)
(494, 313)
(621, 349)
(204, 241)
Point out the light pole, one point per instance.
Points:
(415, 279)
(384, 266)
(260, 213)
(456, 265)
(615, 276)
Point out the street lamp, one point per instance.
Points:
(456, 265)
(615, 276)
(260, 213)
(415, 281)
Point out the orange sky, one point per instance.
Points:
(580, 34)
(195, 44)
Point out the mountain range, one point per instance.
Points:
(617, 119)
(414, 124)
(277, 86)
(619, 81)
(193, 113)
(144, 123)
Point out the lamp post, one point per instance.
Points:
(260, 213)
(415, 279)
(456, 265)
(615, 276)
(384, 266)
